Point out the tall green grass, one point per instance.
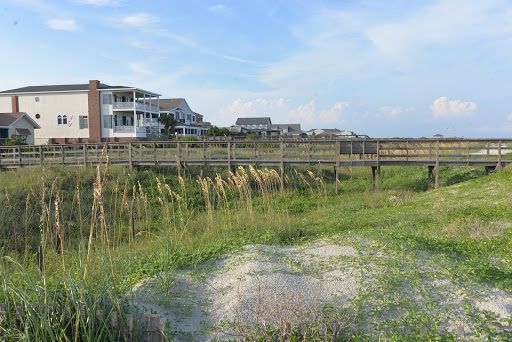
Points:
(102, 230)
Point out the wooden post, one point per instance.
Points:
(129, 328)
(1, 151)
(487, 147)
(40, 155)
(430, 176)
(468, 153)
(336, 168)
(19, 156)
(374, 169)
(229, 156)
(407, 151)
(255, 154)
(154, 153)
(178, 159)
(363, 154)
(40, 258)
(62, 153)
(437, 165)
(282, 166)
(378, 166)
(499, 167)
(204, 157)
(154, 328)
(84, 147)
(310, 153)
(130, 160)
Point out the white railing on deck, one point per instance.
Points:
(138, 105)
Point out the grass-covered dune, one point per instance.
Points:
(103, 230)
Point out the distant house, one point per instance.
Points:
(325, 132)
(189, 122)
(18, 125)
(288, 129)
(259, 126)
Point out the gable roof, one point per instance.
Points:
(58, 88)
(7, 119)
(168, 104)
(253, 121)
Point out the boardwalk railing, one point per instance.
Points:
(354, 152)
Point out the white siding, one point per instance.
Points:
(5, 104)
(49, 107)
(23, 123)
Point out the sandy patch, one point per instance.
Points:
(329, 271)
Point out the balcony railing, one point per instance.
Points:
(124, 129)
(135, 105)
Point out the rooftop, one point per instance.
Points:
(57, 88)
(253, 121)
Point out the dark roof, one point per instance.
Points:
(253, 121)
(62, 87)
(168, 104)
(7, 119)
(23, 131)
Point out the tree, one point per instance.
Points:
(169, 123)
(215, 131)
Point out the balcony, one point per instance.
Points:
(135, 105)
(124, 129)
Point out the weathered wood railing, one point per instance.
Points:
(491, 153)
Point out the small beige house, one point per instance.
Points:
(19, 125)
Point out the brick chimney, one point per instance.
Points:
(94, 111)
(15, 104)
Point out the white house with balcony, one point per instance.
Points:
(92, 112)
(189, 122)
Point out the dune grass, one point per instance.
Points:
(103, 230)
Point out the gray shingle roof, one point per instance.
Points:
(253, 121)
(62, 87)
(168, 104)
(6, 119)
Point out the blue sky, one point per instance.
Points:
(382, 68)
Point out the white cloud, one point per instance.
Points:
(219, 8)
(63, 24)
(391, 111)
(442, 107)
(256, 107)
(310, 114)
(140, 68)
(139, 20)
(509, 117)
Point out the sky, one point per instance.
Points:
(395, 68)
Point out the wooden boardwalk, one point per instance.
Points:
(374, 153)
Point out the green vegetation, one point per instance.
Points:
(93, 254)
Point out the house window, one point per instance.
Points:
(38, 116)
(59, 120)
(107, 99)
(107, 121)
(64, 119)
(83, 121)
(189, 118)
